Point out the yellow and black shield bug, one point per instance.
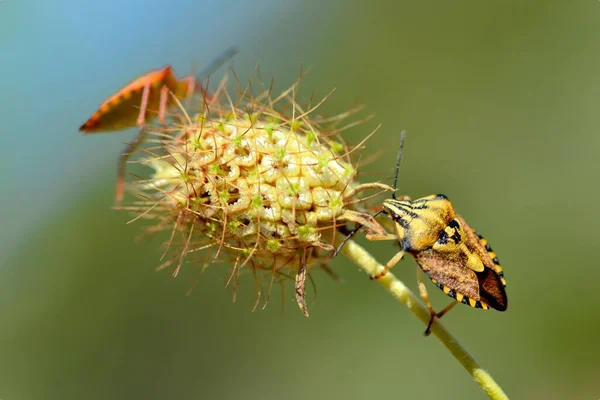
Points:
(456, 258)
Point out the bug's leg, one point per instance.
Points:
(196, 87)
(394, 260)
(209, 98)
(191, 88)
(144, 105)
(425, 297)
(439, 315)
(123, 164)
(189, 94)
(389, 265)
(445, 310)
(389, 236)
(162, 107)
(131, 147)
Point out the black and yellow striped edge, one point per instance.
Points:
(496, 267)
(461, 298)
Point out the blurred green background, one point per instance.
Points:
(500, 100)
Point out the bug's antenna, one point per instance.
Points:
(337, 251)
(402, 137)
(217, 63)
(353, 232)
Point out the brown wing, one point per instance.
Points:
(450, 273)
(491, 279)
(492, 290)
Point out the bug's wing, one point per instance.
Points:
(491, 280)
(450, 273)
(115, 114)
(121, 109)
(492, 290)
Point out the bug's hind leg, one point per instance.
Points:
(162, 107)
(445, 310)
(439, 315)
(144, 105)
(119, 191)
(189, 94)
(425, 296)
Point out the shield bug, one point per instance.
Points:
(457, 259)
(144, 99)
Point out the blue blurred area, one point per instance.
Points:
(500, 101)
(60, 60)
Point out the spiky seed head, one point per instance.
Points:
(248, 184)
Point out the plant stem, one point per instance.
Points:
(399, 290)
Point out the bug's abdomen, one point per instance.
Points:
(122, 109)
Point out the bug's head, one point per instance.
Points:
(398, 209)
(421, 223)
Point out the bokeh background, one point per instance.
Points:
(500, 100)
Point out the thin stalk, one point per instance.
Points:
(398, 289)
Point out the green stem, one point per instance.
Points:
(365, 261)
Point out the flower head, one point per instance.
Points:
(247, 183)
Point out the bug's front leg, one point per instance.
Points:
(374, 237)
(119, 191)
(390, 264)
(394, 260)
